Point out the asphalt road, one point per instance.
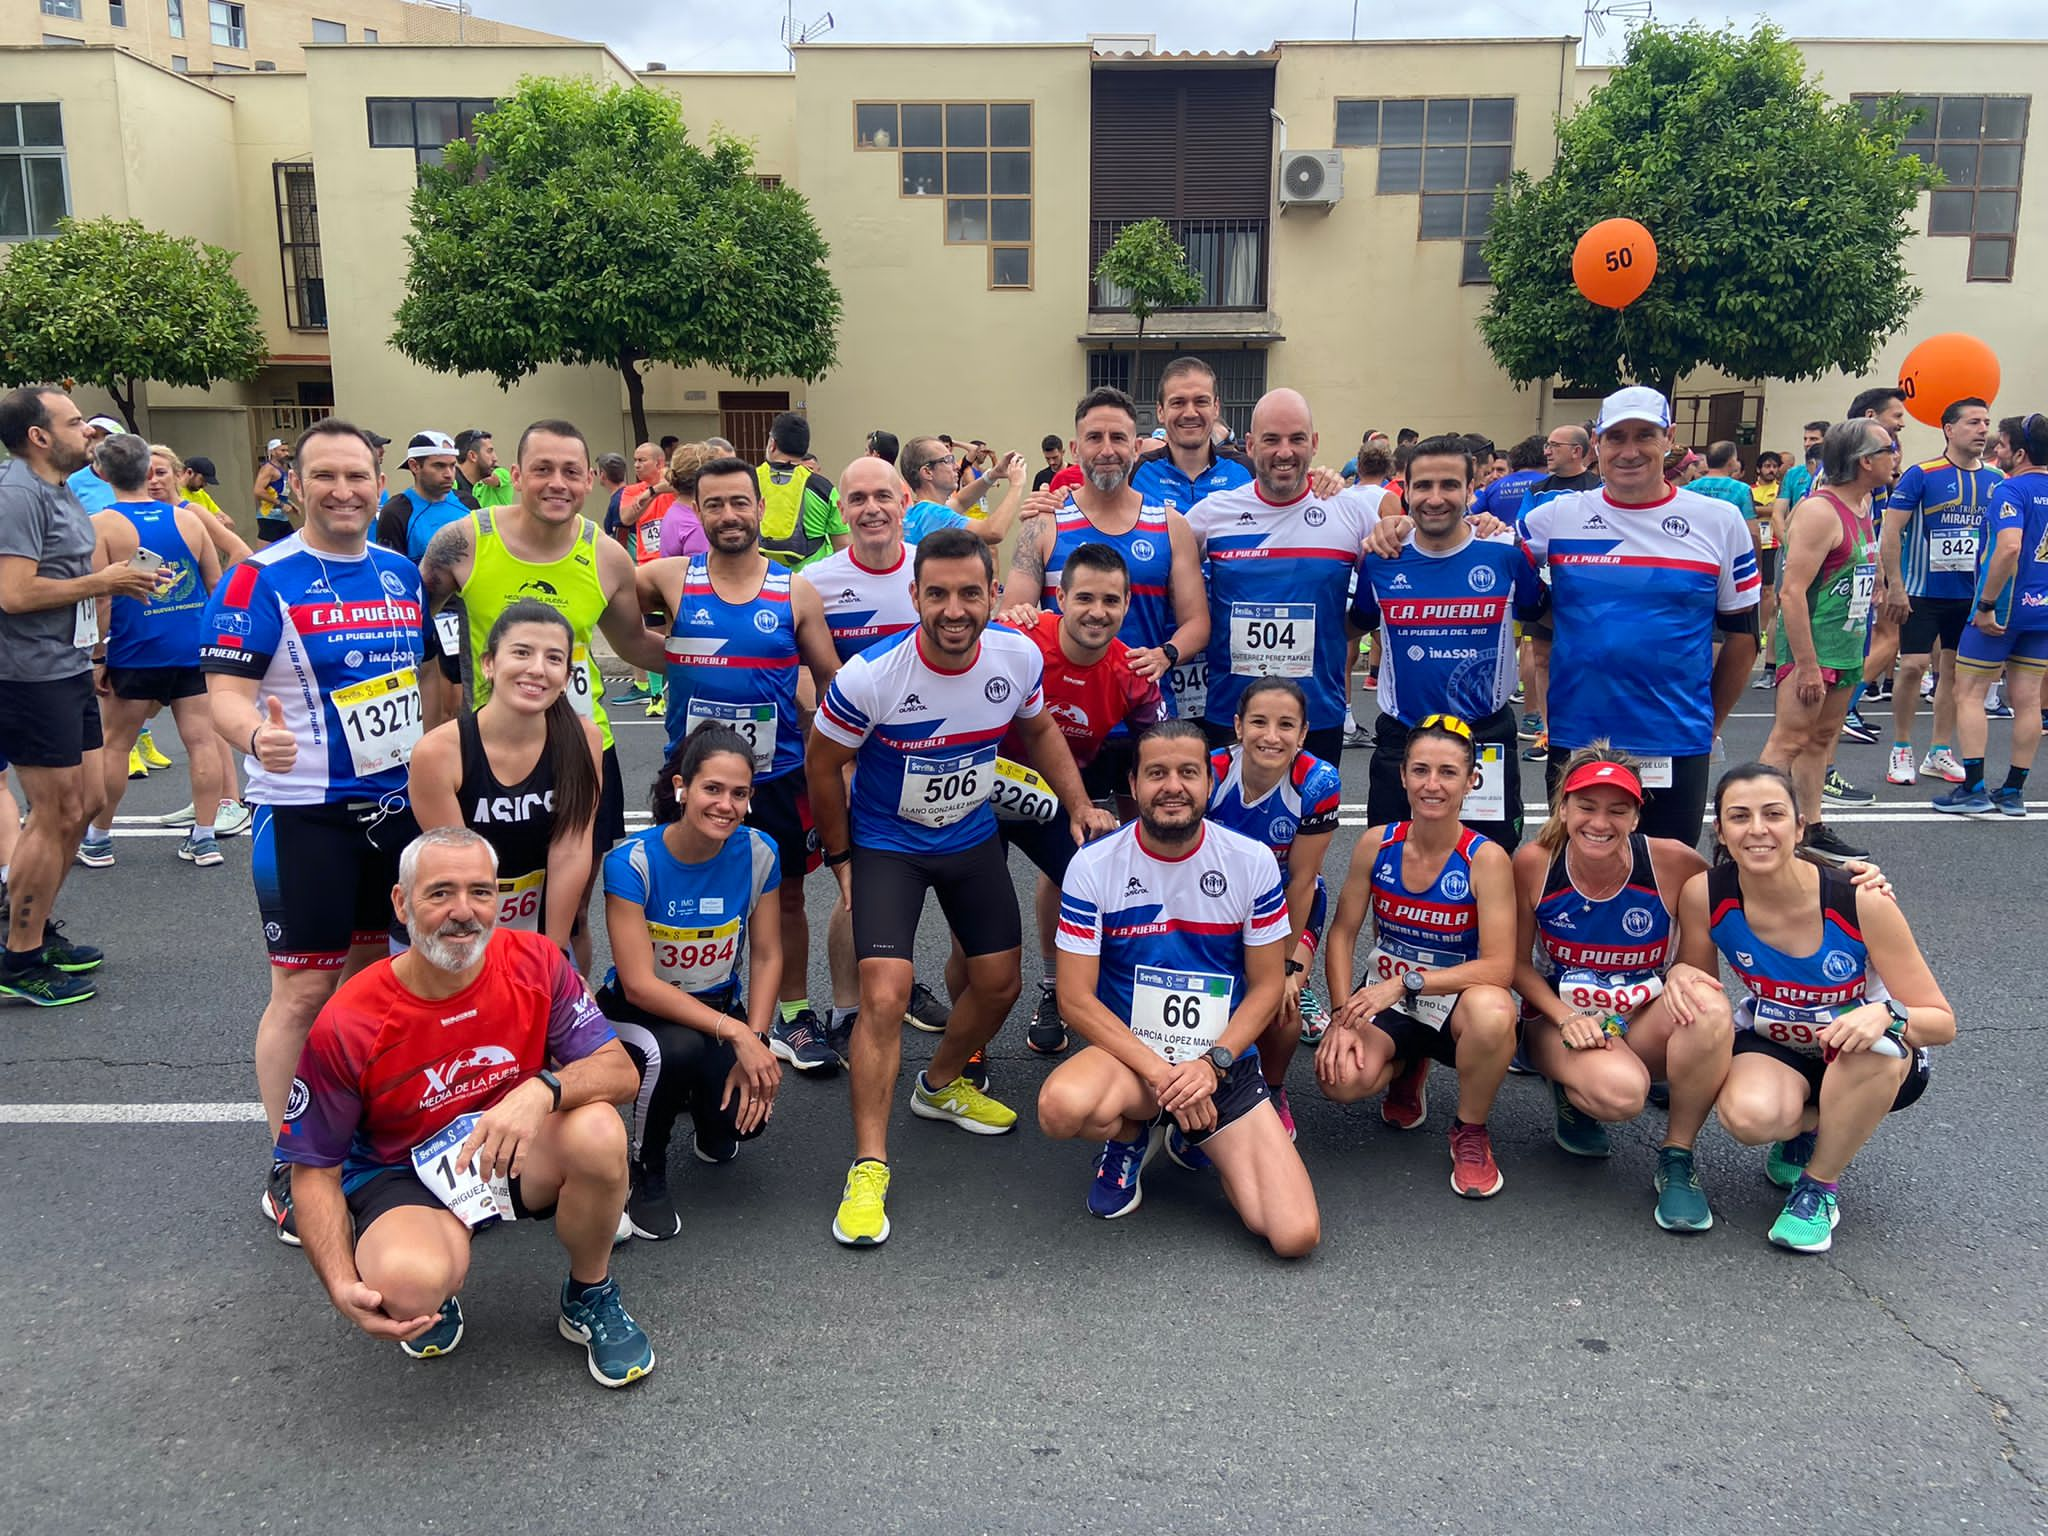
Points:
(1546, 1360)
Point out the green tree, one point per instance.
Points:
(1148, 264)
(583, 227)
(1779, 217)
(111, 303)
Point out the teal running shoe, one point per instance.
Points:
(1681, 1203)
(1807, 1224)
(1787, 1160)
(1579, 1134)
(440, 1339)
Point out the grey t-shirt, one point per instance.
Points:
(44, 523)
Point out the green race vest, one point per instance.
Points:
(570, 586)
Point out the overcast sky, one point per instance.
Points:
(722, 34)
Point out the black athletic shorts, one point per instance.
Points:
(781, 811)
(162, 685)
(389, 1189)
(610, 825)
(1242, 1090)
(1813, 1068)
(1386, 795)
(1109, 772)
(1048, 844)
(323, 877)
(1932, 618)
(272, 529)
(974, 891)
(1767, 565)
(1413, 1039)
(1675, 812)
(49, 724)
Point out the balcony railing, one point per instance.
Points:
(1228, 255)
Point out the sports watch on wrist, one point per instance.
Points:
(1900, 1018)
(1172, 652)
(554, 1085)
(1411, 983)
(1219, 1057)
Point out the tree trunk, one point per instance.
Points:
(124, 403)
(636, 396)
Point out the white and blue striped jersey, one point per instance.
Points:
(1180, 919)
(926, 739)
(863, 607)
(1634, 593)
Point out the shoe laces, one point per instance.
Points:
(606, 1310)
(867, 1180)
(1470, 1144)
(1806, 1200)
(1118, 1161)
(1675, 1164)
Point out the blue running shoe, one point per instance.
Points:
(1118, 1189)
(440, 1339)
(1186, 1153)
(1964, 801)
(594, 1317)
(1787, 1160)
(2010, 801)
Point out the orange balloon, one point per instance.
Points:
(1944, 369)
(1614, 262)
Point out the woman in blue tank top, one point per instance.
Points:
(1595, 898)
(1435, 984)
(1834, 1004)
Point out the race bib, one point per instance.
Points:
(938, 791)
(1272, 639)
(85, 624)
(1187, 685)
(448, 630)
(1655, 772)
(475, 1200)
(1383, 965)
(755, 722)
(520, 901)
(1952, 551)
(1862, 587)
(1178, 1014)
(1019, 794)
(1792, 1027)
(1489, 802)
(696, 959)
(1598, 992)
(583, 683)
(380, 720)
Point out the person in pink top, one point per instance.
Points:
(681, 532)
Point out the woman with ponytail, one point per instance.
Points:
(522, 771)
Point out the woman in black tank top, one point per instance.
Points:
(522, 771)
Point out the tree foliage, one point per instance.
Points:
(1148, 264)
(583, 227)
(112, 303)
(1779, 217)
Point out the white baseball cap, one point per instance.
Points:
(273, 445)
(1636, 403)
(425, 445)
(108, 425)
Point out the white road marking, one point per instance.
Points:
(129, 1114)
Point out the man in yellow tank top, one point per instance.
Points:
(541, 546)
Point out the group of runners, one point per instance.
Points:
(1151, 707)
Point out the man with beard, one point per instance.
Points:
(741, 625)
(918, 719)
(53, 611)
(1281, 558)
(1172, 934)
(424, 1108)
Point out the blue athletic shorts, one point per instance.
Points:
(1987, 653)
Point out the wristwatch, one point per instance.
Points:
(1171, 652)
(1900, 1019)
(1295, 967)
(554, 1085)
(834, 860)
(1411, 983)
(1987, 607)
(1219, 1057)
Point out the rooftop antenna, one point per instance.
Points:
(1621, 10)
(793, 35)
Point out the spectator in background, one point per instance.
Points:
(1374, 465)
(611, 479)
(480, 480)
(884, 445)
(1504, 496)
(1406, 437)
(669, 444)
(93, 492)
(682, 533)
(1055, 460)
(194, 476)
(638, 496)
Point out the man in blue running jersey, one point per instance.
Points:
(1504, 496)
(1928, 554)
(2009, 622)
(1645, 577)
(312, 649)
(1448, 606)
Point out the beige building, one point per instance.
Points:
(233, 37)
(1331, 196)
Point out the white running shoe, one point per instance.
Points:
(1941, 764)
(1901, 769)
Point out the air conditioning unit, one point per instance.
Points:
(1312, 178)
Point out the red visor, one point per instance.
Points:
(1611, 775)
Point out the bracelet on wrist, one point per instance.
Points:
(254, 732)
(834, 860)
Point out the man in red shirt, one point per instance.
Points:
(424, 1107)
(1091, 691)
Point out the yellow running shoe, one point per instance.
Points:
(863, 1220)
(146, 745)
(657, 707)
(963, 1104)
(137, 769)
